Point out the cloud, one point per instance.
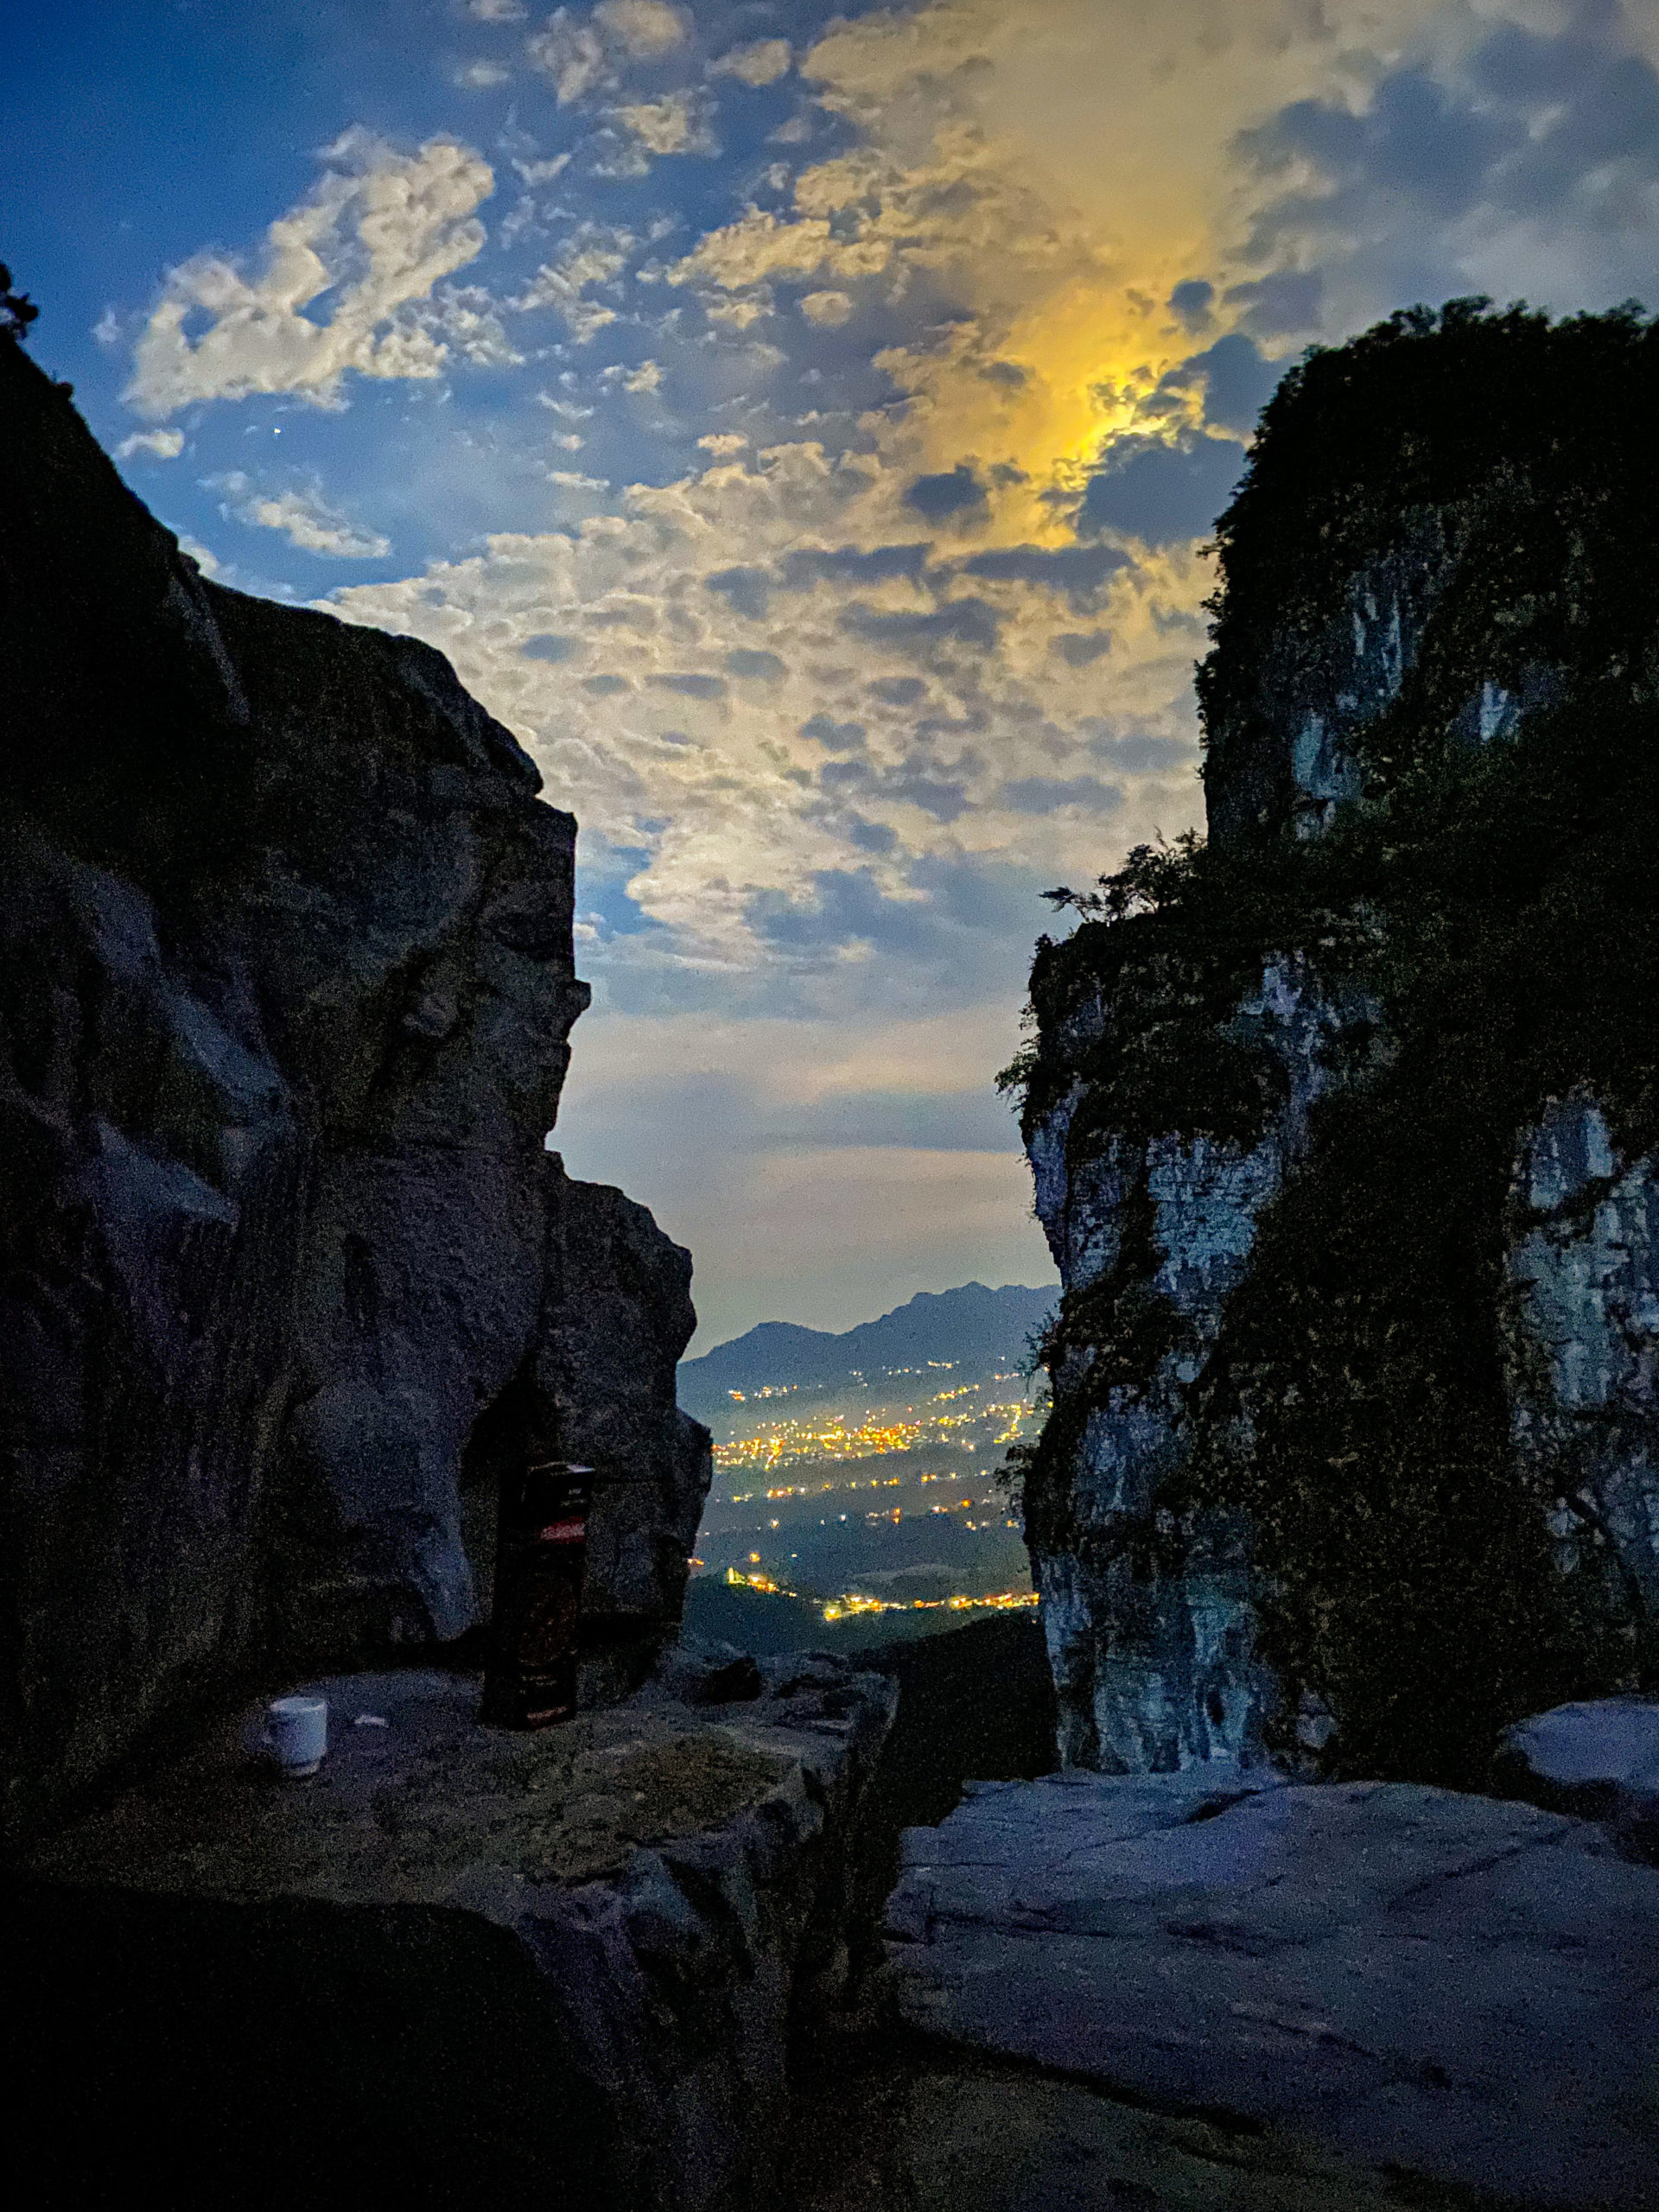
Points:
(496, 11)
(700, 699)
(761, 667)
(761, 245)
(836, 703)
(646, 29)
(1081, 648)
(971, 622)
(163, 445)
(1522, 157)
(578, 58)
(919, 1120)
(805, 565)
(1191, 300)
(571, 55)
(593, 257)
(207, 562)
(481, 76)
(891, 1145)
(1290, 299)
(466, 320)
(1137, 752)
(378, 232)
(692, 686)
(844, 906)
(678, 123)
(748, 589)
(1235, 377)
(303, 516)
(762, 63)
(835, 737)
(1079, 570)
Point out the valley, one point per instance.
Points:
(871, 1501)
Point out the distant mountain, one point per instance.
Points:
(974, 1328)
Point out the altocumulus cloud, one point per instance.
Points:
(303, 515)
(905, 415)
(845, 713)
(402, 221)
(1524, 158)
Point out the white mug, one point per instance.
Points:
(296, 1729)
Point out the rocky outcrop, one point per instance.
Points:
(1154, 1650)
(286, 983)
(1452, 1992)
(1583, 1261)
(1599, 1760)
(459, 1965)
(1342, 1125)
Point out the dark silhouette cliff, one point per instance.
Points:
(1345, 1123)
(289, 1277)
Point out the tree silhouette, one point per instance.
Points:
(17, 310)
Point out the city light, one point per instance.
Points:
(852, 1604)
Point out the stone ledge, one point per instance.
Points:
(623, 1911)
(1451, 1986)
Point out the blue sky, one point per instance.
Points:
(801, 426)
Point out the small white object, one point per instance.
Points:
(369, 1720)
(296, 1729)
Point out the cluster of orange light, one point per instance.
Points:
(851, 1603)
(1015, 1413)
(868, 1440)
(1002, 1602)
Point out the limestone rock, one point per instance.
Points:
(286, 985)
(1599, 1759)
(1585, 1259)
(704, 1671)
(459, 1965)
(1342, 1127)
(1453, 1988)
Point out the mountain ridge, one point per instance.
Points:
(970, 1325)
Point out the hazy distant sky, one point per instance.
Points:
(800, 427)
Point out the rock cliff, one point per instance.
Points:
(285, 994)
(1345, 1124)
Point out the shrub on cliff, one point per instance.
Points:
(17, 310)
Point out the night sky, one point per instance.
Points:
(802, 429)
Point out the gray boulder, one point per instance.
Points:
(1599, 1759)
(1454, 1988)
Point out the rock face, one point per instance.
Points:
(1454, 1991)
(285, 994)
(1342, 1126)
(462, 1965)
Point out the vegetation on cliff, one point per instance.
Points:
(1486, 917)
